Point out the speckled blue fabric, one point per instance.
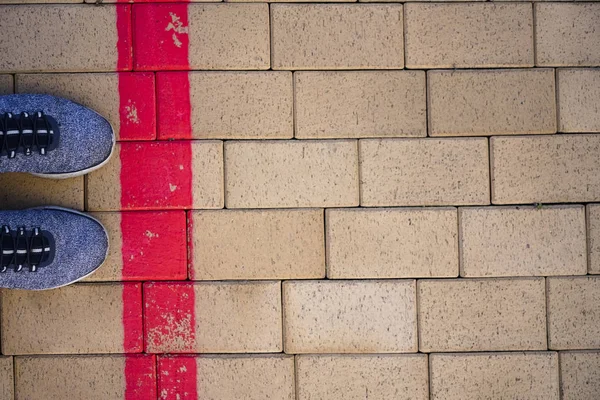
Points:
(86, 138)
(81, 247)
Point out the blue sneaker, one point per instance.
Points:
(50, 247)
(52, 137)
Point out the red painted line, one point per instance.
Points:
(133, 335)
(124, 37)
(154, 245)
(140, 371)
(161, 37)
(190, 245)
(137, 109)
(174, 105)
(177, 377)
(170, 322)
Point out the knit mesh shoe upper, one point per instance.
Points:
(44, 248)
(50, 136)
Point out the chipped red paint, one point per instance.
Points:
(137, 109)
(156, 175)
(173, 104)
(140, 371)
(170, 321)
(190, 244)
(160, 38)
(177, 377)
(133, 336)
(153, 245)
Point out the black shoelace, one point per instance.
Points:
(22, 248)
(25, 133)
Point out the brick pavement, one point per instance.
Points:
(338, 201)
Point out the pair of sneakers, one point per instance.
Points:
(50, 137)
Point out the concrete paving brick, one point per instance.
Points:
(227, 377)
(545, 169)
(491, 102)
(201, 36)
(522, 241)
(392, 243)
(357, 104)
(468, 35)
(40, 1)
(144, 245)
(6, 84)
(349, 317)
(85, 377)
(424, 172)
(23, 191)
(580, 375)
(330, 36)
(92, 34)
(77, 319)
(220, 317)
(105, 93)
(6, 378)
(354, 377)
(482, 314)
(567, 34)
(258, 244)
(527, 376)
(593, 236)
(573, 313)
(129, 180)
(229, 105)
(578, 100)
(291, 174)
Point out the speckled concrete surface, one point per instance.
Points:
(578, 93)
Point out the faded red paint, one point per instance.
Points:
(154, 245)
(174, 106)
(156, 175)
(137, 109)
(170, 321)
(133, 336)
(161, 39)
(177, 377)
(140, 371)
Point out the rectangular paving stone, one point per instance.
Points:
(491, 102)
(578, 99)
(392, 243)
(86, 377)
(331, 36)
(356, 104)
(349, 317)
(353, 377)
(92, 32)
(545, 169)
(21, 191)
(219, 317)
(125, 99)
(6, 378)
(580, 375)
(228, 105)
(469, 35)
(573, 313)
(226, 377)
(424, 172)
(144, 245)
(76, 319)
(531, 376)
(257, 244)
(482, 315)
(201, 36)
(6, 84)
(159, 175)
(522, 241)
(291, 174)
(593, 237)
(567, 34)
